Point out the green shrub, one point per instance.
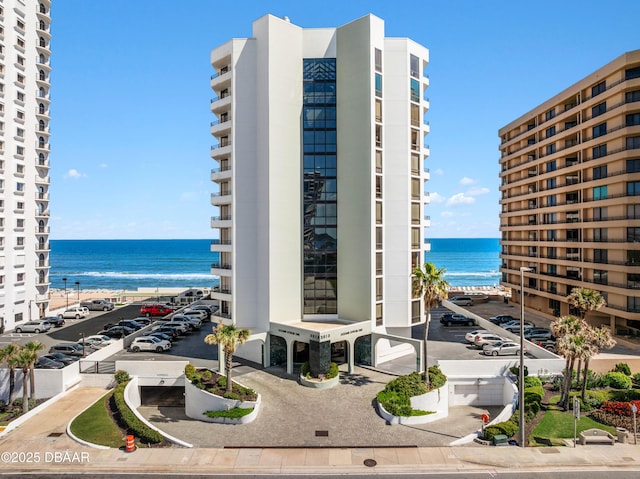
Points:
(305, 369)
(235, 413)
(231, 395)
(515, 370)
(222, 381)
(437, 378)
(333, 371)
(17, 403)
(206, 375)
(636, 379)
(617, 380)
(491, 431)
(131, 421)
(593, 399)
(121, 377)
(624, 395)
(508, 428)
(530, 381)
(622, 368)
(395, 403)
(189, 371)
(534, 393)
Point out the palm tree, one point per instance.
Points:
(428, 282)
(599, 339)
(33, 347)
(585, 300)
(230, 338)
(22, 360)
(6, 355)
(570, 344)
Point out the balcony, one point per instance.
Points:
(221, 197)
(220, 293)
(221, 149)
(221, 103)
(221, 127)
(223, 172)
(221, 221)
(221, 78)
(221, 269)
(426, 221)
(42, 246)
(427, 174)
(220, 246)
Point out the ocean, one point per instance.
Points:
(130, 264)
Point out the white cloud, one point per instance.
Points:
(73, 173)
(435, 198)
(104, 165)
(439, 171)
(447, 214)
(460, 199)
(467, 181)
(479, 190)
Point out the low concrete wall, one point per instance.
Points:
(198, 401)
(436, 401)
(150, 369)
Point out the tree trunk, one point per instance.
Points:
(565, 403)
(586, 376)
(25, 392)
(228, 362)
(32, 382)
(579, 370)
(12, 384)
(426, 349)
(563, 389)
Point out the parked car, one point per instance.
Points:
(207, 308)
(487, 338)
(457, 319)
(196, 323)
(471, 336)
(201, 314)
(75, 312)
(46, 363)
(155, 309)
(183, 326)
(38, 326)
(61, 358)
(54, 321)
(164, 336)
(68, 349)
(462, 300)
(168, 330)
(549, 344)
(501, 348)
(116, 332)
(143, 320)
(514, 326)
(533, 334)
(98, 340)
(149, 343)
(502, 318)
(97, 305)
(131, 323)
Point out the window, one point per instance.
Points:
(633, 188)
(20, 150)
(550, 218)
(378, 85)
(20, 115)
(600, 193)
(19, 186)
(552, 235)
(20, 78)
(551, 200)
(20, 42)
(378, 111)
(379, 238)
(378, 289)
(414, 65)
(600, 214)
(633, 212)
(378, 213)
(550, 166)
(378, 264)
(600, 130)
(599, 109)
(633, 304)
(549, 132)
(415, 90)
(631, 96)
(20, 60)
(571, 161)
(573, 235)
(633, 142)
(20, 132)
(20, 241)
(572, 198)
(631, 73)
(599, 151)
(599, 88)
(415, 311)
(378, 161)
(551, 148)
(19, 222)
(600, 235)
(552, 252)
(633, 256)
(20, 169)
(600, 276)
(600, 256)
(378, 59)
(551, 183)
(600, 172)
(20, 279)
(633, 119)
(415, 238)
(572, 216)
(633, 235)
(20, 24)
(550, 114)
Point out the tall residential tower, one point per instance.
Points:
(24, 159)
(319, 189)
(570, 171)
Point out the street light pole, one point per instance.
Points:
(521, 368)
(78, 285)
(65, 291)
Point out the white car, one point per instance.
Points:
(182, 328)
(33, 327)
(514, 326)
(196, 313)
(150, 343)
(470, 337)
(501, 348)
(487, 338)
(75, 312)
(192, 320)
(98, 340)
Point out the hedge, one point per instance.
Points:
(235, 413)
(508, 428)
(136, 427)
(617, 380)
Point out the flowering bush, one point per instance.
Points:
(619, 408)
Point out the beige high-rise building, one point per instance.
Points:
(570, 205)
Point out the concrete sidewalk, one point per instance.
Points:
(41, 445)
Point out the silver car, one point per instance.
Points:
(33, 327)
(502, 348)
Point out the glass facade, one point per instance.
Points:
(320, 241)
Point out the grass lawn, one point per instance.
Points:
(96, 426)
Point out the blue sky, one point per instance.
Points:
(130, 98)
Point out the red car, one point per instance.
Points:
(149, 310)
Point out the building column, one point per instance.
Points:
(319, 357)
(289, 355)
(350, 355)
(266, 352)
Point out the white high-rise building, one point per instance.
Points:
(319, 190)
(24, 159)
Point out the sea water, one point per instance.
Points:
(186, 263)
